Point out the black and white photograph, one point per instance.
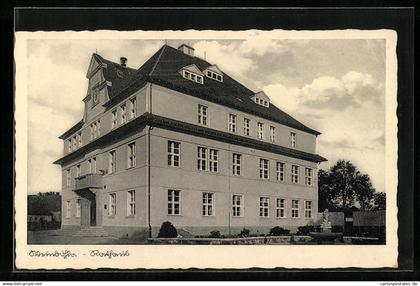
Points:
(192, 139)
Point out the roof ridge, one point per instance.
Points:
(157, 60)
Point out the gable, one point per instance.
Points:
(215, 69)
(94, 65)
(194, 69)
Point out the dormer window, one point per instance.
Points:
(214, 72)
(261, 98)
(193, 76)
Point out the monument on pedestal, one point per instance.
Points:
(325, 235)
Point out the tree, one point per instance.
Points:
(379, 201)
(343, 187)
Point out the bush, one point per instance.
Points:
(277, 231)
(244, 232)
(167, 230)
(305, 230)
(215, 234)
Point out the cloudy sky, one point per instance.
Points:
(334, 86)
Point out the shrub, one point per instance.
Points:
(215, 234)
(244, 232)
(167, 230)
(277, 231)
(305, 230)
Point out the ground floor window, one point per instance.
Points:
(308, 209)
(68, 209)
(208, 204)
(237, 205)
(295, 208)
(174, 202)
(264, 206)
(280, 212)
(78, 206)
(131, 203)
(112, 204)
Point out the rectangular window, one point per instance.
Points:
(93, 166)
(131, 153)
(68, 210)
(280, 171)
(112, 162)
(308, 209)
(79, 139)
(98, 128)
(173, 153)
(174, 202)
(308, 176)
(131, 203)
(295, 174)
(213, 160)
(123, 114)
(112, 204)
(91, 132)
(78, 171)
(295, 208)
(68, 178)
(293, 139)
(208, 204)
(232, 123)
(280, 205)
(202, 158)
(236, 164)
(74, 140)
(94, 130)
(202, 114)
(237, 205)
(247, 124)
(78, 207)
(272, 134)
(133, 108)
(114, 118)
(260, 130)
(69, 145)
(264, 206)
(264, 169)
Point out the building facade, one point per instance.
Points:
(179, 140)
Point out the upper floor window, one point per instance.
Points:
(264, 171)
(308, 176)
(237, 205)
(214, 75)
(280, 171)
(264, 206)
(123, 114)
(207, 159)
(295, 174)
(95, 129)
(79, 139)
(131, 203)
(68, 209)
(69, 145)
(174, 202)
(133, 108)
(78, 207)
(208, 204)
(236, 164)
(114, 118)
(131, 155)
(112, 162)
(232, 123)
(293, 139)
(260, 130)
(92, 165)
(74, 140)
(78, 171)
(173, 153)
(261, 101)
(192, 76)
(272, 134)
(247, 124)
(112, 211)
(68, 177)
(202, 114)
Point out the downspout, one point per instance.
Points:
(148, 129)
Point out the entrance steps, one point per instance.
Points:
(91, 231)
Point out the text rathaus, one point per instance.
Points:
(179, 140)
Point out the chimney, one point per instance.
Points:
(123, 61)
(186, 49)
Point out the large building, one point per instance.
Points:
(179, 140)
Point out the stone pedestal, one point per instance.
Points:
(326, 229)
